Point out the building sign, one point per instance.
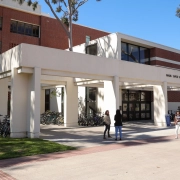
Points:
(174, 76)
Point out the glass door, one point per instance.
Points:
(136, 105)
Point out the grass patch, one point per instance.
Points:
(11, 148)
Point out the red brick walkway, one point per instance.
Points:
(4, 176)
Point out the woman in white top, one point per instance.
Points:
(177, 123)
(107, 123)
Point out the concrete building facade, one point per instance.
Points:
(110, 72)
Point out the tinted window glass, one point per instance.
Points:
(144, 55)
(35, 31)
(88, 39)
(24, 28)
(92, 49)
(133, 53)
(92, 93)
(124, 52)
(20, 28)
(28, 29)
(13, 26)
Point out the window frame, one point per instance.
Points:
(139, 47)
(24, 32)
(91, 46)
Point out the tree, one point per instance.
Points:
(178, 12)
(68, 9)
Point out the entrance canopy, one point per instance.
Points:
(62, 63)
(29, 67)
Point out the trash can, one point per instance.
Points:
(168, 120)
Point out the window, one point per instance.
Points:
(133, 53)
(35, 30)
(13, 26)
(144, 55)
(1, 23)
(124, 54)
(47, 99)
(28, 29)
(24, 28)
(88, 39)
(92, 49)
(20, 28)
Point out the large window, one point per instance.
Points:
(135, 53)
(24, 28)
(92, 49)
(1, 19)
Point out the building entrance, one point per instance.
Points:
(136, 105)
(91, 100)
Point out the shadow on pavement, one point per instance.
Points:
(89, 140)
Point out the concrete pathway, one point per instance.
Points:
(84, 137)
(147, 152)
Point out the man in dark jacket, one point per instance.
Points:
(118, 124)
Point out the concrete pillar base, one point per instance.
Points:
(33, 135)
(162, 124)
(74, 124)
(18, 135)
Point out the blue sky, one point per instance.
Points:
(153, 20)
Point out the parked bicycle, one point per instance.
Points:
(5, 126)
(51, 117)
(90, 119)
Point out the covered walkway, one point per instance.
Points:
(83, 137)
(28, 67)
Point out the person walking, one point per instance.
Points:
(177, 123)
(107, 123)
(118, 124)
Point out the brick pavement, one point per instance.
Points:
(5, 176)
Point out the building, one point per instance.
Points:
(137, 98)
(28, 66)
(110, 72)
(20, 24)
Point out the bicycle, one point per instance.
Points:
(5, 127)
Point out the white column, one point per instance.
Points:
(33, 124)
(120, 95)
(70, 104)
(165, 96)
(18, 114)
(3, 96)
(159, 106)
(111, 96)
(42, 101)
